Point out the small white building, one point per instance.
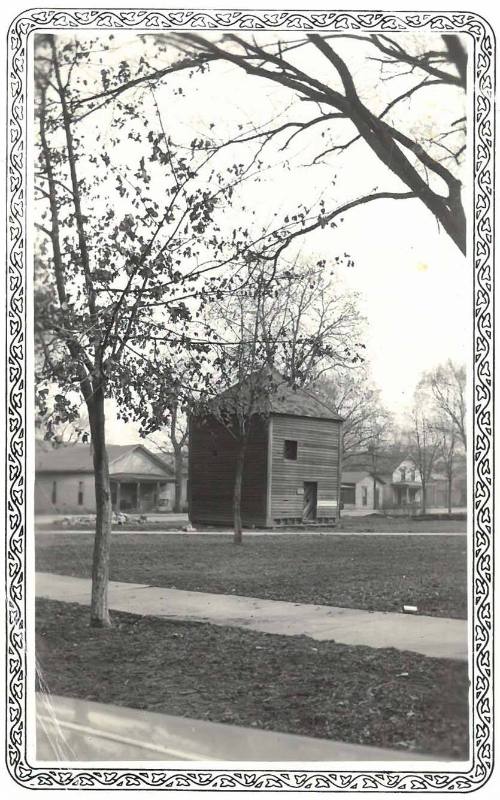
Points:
(362, 492)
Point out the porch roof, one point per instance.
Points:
(130, 477)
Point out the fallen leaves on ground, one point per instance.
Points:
(380, 697)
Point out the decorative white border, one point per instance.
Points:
(482, 257)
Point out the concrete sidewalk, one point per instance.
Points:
(431, 636)
(80, 730)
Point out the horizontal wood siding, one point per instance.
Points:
(212, 462)
(317, 460)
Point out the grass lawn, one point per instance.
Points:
(283, 683)
(372, 572)
(374, 523)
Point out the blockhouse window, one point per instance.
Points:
(290, 450)
(364, 495)
(54, 492)
(80, 493)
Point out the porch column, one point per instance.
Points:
(118, 486)
(157, 499)
(138, 495)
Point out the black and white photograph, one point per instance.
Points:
(249, 399)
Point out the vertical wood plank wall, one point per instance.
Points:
(317, 460)
(212, 464)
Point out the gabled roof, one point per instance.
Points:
(284, 400)
(353, 476)
(406, 460)
(78, 457)
(301, 403)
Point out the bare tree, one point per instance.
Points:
(416, 164)
(173, 440)
(284, 333)
(447, 386)
(178, 435)
(426, 163)
(354, 397)
(424, 441)
(447, 453)
(439, 421)
(245, 380)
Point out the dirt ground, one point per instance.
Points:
(292, 684)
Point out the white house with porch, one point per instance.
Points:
(405, 487)
(400, 492)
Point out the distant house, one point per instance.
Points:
(292, 465)
(64, 479)
(364, 492)
(406, 486)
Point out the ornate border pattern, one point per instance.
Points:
(482, 689)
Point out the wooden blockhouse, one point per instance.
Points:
(292, 465)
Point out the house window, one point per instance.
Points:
(290, 450)
(54, 492)
(348, 494)
(402, 472)
(364, 495)
(412, 475)
(80, 493)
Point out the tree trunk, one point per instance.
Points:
(178, 466)
(238, 483)
(457, 54)
(99, 612)
(424, 497)
(449, 493)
